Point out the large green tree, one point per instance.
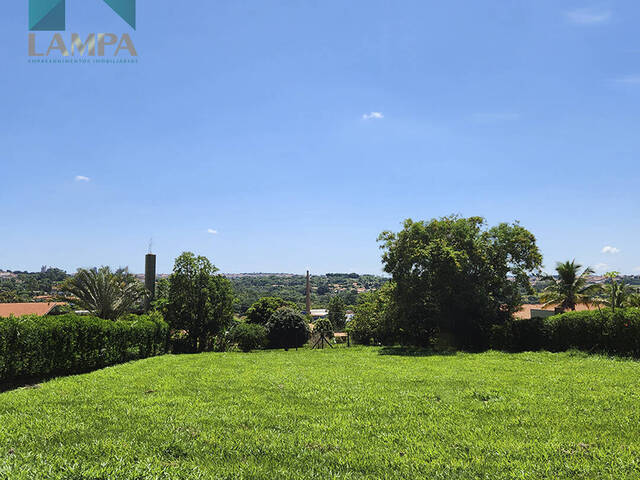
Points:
(260, 312)
(337, 311)
(569, 287)
(108, 294)
(455, 276)
(200, 301)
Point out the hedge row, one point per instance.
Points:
(34, 346)
(599, 331)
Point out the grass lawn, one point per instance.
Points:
(341, 413)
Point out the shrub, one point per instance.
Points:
(614, 332)
(373, 317)
(180, 342)
(521, 335)
(599, 331)
(287, 329)
(324, 327)
(43, 346)
(249, 336)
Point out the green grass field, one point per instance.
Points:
(341, 413)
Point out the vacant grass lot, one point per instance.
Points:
(341, 413)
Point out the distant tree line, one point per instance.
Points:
(249, 289)
(24, 286)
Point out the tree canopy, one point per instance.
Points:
(260, 312)
(454, 275)
(105, 293)
(337, 311)
(200, 301)
(569, 288)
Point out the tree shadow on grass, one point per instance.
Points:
(31, 382)
(415, 352)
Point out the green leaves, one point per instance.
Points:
(260, 312)
(452, 274)
(337, 310)
(200, 302)
(64, 344)
(609, 331)
(105, 293)
(570, 287)
(288, 329)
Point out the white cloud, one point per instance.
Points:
(629, 80)
(600, 267)
(212, 231)
(637, 269)
(82, 178)
(373, 116)
(588, 16)
(610, 249)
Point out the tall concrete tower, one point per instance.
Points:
(150, 278)
(308, 294)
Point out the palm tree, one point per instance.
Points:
(569, 288)
(617, 294)
(633, 300)
(105, 293)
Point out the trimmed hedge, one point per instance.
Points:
(599, 331)
(249, 336)
(32, 347)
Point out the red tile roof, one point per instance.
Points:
(525, 310)
(20, 309)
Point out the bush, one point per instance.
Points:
(180, 342)
(34, 346)
(614, 332)
(374, 317)
(521, 335)
(249, 336)
(599, 331)
(288, 329)
(324, 327)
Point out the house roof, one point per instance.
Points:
(525, 310)
(20, 309)
(319, 312)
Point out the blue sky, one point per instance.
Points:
(285, 135)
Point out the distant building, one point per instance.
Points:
(317, 313)
(20, 309)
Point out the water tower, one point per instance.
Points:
(150, 279)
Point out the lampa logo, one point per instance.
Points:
(50, 16)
